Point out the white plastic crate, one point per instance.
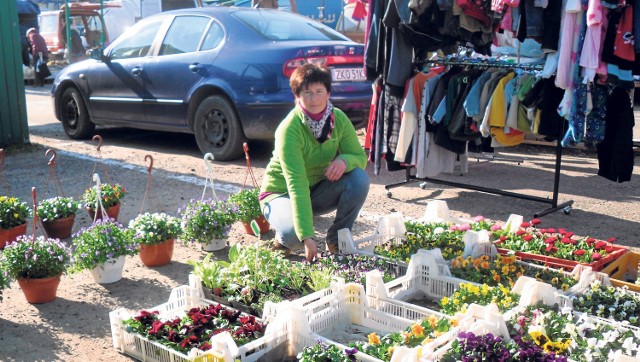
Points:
(272, 346)
(343, 304)
(425, 277)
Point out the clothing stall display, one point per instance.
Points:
(428, 112)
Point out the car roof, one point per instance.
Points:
(218, 10)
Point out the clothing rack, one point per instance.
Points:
(553, 201)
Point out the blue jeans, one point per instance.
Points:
(346, 196)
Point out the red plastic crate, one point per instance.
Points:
(568, 265)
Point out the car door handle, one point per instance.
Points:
(136, 70)
(195, 67)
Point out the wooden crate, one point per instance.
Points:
(624, 269)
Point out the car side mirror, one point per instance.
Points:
(98, 54)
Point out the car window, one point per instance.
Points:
(214, 36)
(137, 40)
(184, 35)
(284, 26)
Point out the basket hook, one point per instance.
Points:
(52, 160)
(99, 139)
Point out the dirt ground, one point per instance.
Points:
(75, 327)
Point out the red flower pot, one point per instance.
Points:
(9, 235)
(41, 290)
(112, 212)
(59, 228)
(157, 254)
(262, 222)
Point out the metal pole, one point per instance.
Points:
(67, 30)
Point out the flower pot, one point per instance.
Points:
(112, 212)
(157, 254)
(41, 290)
(110, 271)
(215, 245)
(59, 228)
(9, 235)
(262, 222)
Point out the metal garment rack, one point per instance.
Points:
(555, 206)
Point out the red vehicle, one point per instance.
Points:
(85, 18)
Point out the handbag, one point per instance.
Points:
(42, 69)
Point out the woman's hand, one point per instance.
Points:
(336, 169)
(310, 249)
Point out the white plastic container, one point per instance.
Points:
(272, 346)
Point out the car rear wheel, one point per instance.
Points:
(218, 130)
(74, 115)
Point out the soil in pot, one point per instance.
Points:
(112, 212)
(157, 254)
(9, 235)
(59, 228)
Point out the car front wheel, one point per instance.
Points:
(218, 130)
(74, 116)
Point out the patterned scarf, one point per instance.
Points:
(321, 129)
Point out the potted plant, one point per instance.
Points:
(57, 215)
(248, 209)
(37, 265)
(110, 196)
(155, 235)
(207, 222)
(13, 219)
(102, 248)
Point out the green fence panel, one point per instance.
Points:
(13, 111)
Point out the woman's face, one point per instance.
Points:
(314, 98)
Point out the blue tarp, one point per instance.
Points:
(27, 7)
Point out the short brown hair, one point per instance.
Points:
(309, 74)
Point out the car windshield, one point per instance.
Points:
(284, 26)
(49, 23)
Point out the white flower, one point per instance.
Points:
(629, 346)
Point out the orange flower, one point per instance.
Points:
(432, 320)
(485, 265)
(417, 330)
(374, 339)
(454, 322)
(496, 278)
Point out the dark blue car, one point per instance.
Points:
(221, 73)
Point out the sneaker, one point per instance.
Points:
(277, 246)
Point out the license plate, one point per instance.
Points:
(348, 74)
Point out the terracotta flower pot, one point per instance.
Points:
(112, 212)
(9, 235)
(41, 290)
(262, 222)
(157, 254)
(59, 228)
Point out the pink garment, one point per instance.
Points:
(507, 20)
(590, 56)
(498, 5)
(602, 66)
(563, 74)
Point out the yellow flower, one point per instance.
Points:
(505, 269)
(454, 322)
(432, 320)
(565, 286)
(417, 330)
(444, 301)
(426, 340)
(374, 339)
(406, 336)
(390, 351)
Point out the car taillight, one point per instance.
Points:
(328, 61)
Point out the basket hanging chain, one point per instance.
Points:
(53, 174)
(208, 159)
(3, 179)
(99, 139)
(100, 209)
(146, 191)
(35, 215)
(249, 171)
